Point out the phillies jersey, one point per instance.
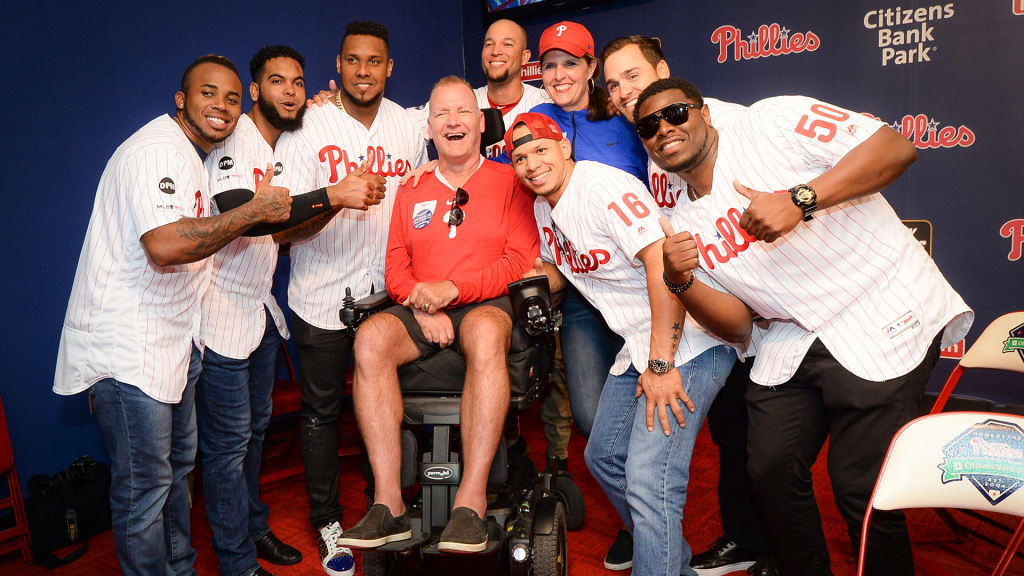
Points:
(592, 235)
(853, 276)
(668, 189)
(349, 251)
(128, 319)
(241, 273)
(531, 97)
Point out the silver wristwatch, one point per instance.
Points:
(659, 366)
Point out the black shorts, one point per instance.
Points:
(428, 348)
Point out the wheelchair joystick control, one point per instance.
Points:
(348, 307)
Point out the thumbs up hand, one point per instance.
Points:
(679, 253)
(768, 216)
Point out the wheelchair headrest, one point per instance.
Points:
(494, 128)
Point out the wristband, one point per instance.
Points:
(678, 288)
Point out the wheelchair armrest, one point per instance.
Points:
(531, 304)
(353, 311)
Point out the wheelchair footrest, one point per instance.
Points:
(416, 541)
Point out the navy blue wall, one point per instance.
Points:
(82, 77)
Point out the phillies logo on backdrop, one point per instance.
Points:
(530, 71)
(926, 132)
(1014, 230)
(577, 262)
(381, 162)
(1018, 7)
(769, 40)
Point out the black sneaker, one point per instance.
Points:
(377, 528)
(765, 568)
(465, 532)
(723, 557)
(620, 555)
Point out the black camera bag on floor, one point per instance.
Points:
(67, 508)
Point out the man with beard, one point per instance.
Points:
(131, 333)
(502, 58)
(242, 323)
(357, 126)
(788, 220)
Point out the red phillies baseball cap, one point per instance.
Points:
(568, 37)
(539, 125)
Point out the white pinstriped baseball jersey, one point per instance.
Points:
(128, 319)
(241, 273)
(853, 276)
(349, 251)
(593, 234)
(532, 96)
(668, 189)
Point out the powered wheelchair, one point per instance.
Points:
(528, 513)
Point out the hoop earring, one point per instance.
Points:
(591, 85)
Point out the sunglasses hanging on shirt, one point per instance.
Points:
(456, 216)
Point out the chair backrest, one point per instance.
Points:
(969, 460)
(1000, 346)
(6, 452)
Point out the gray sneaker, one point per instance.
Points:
(377, 528)
(465, 532)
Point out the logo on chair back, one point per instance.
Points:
(990, 455)
(438, 473)
(1015, 343)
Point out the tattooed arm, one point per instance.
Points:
(664, 393)
(192, 239)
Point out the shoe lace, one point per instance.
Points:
(330, 534)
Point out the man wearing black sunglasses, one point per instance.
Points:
(456, 241)
(787, 220)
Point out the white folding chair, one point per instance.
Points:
(969, 460)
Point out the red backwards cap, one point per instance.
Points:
(568, 37)
(539, 125)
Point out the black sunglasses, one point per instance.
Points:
(456, 216)
(674, 114)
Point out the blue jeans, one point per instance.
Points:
(152, 448)
(233, 402)
(588, 350)
(645, 474)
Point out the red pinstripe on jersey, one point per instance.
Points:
(847, 276)
(618, 286)
(127, 319)
(349, 251)
(242, 272)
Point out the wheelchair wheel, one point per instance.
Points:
(550, 551)
(572, 499)
(377, 563)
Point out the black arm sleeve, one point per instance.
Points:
(304, 207)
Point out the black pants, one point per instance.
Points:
(788, 426)
(742, 520)
(323, 361)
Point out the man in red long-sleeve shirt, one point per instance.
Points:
(455, 242)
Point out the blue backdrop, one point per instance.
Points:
(81, 79)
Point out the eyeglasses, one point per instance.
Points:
(456, 215)
(674, 114)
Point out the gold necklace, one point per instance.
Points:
(337, 100)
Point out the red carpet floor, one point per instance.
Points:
(935, 550)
